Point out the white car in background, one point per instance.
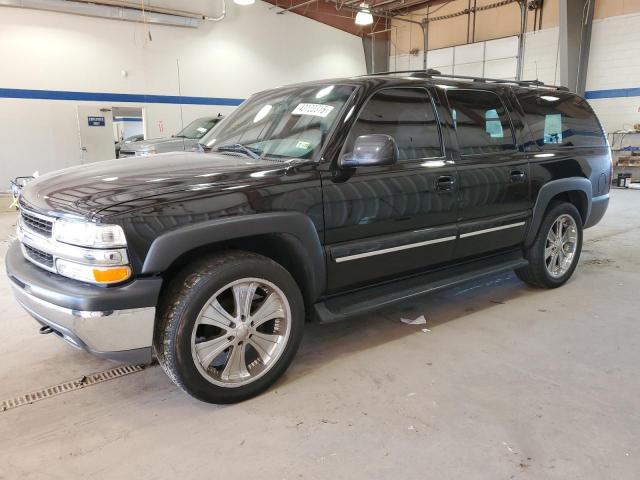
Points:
(186, 139)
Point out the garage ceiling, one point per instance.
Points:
(341, 13)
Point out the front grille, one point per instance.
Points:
(39, 256)
(36, 223)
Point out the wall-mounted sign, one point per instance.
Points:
(96, 121)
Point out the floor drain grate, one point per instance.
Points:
(70, 386)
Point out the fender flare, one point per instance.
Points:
(550, 190)
(296, 228)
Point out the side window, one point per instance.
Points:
(561, 119)
(406, 114)
(481, 121)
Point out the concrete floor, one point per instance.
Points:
(511, 382)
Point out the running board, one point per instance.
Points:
(372, 298)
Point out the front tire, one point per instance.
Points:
(554, 255)
(230, 325)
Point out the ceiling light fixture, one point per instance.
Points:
(364, 17)
(244, 2)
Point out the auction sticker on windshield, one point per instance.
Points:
(313, 109)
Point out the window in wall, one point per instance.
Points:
(481, 121)
(561, 119)
(407, 115)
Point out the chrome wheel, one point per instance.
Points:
(241, 332)
(560, 246)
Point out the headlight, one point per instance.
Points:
(93, 274)
(86, 234)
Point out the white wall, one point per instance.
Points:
(252, 49)
(493, 58)
(541, 56)
(614, 63)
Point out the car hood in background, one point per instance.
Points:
(160, 145)
(88, 189)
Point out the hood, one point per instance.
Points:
(160, 145)
(88, 189)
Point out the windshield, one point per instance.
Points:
(284, 123)
(198, 128)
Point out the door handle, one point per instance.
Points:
(517, 176)
(445, 183)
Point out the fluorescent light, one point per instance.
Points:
(244, 2)
(364, 17)
(549, 98)
(324, 92)
(349, 113)
(263, 112)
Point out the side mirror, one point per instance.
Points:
(372, 150)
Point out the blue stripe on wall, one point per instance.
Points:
(116, 97)
(612, 93)
(185, 100)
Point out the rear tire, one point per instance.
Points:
(553, 258)
(229, 326)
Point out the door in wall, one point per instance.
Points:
(95, 128)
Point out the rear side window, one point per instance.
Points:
(407, 115)
(561, 119)
(481, 120)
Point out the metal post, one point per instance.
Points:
(521, 37)
(425, 38)
(373, 54)
(576, 19)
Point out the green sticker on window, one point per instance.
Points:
(303, 145)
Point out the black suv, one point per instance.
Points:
(321, 200)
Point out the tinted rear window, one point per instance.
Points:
(561, 119)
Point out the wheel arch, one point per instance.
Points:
(577, 191)
(288, 238)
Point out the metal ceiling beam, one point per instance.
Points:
(296, 6)
(129, 12)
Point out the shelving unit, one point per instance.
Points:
(625, 148)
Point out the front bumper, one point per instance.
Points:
(114, 322)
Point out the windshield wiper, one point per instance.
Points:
(239, 148)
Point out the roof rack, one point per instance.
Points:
(431, 73)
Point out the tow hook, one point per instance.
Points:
(45, 330)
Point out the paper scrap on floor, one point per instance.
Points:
(418, 321)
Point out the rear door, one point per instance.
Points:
(387, 221)
(494, 194)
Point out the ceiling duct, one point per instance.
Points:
(130, 12)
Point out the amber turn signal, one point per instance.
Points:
(111, 274)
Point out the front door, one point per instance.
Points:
(494, 198)
(97, 140)
(386, 221)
